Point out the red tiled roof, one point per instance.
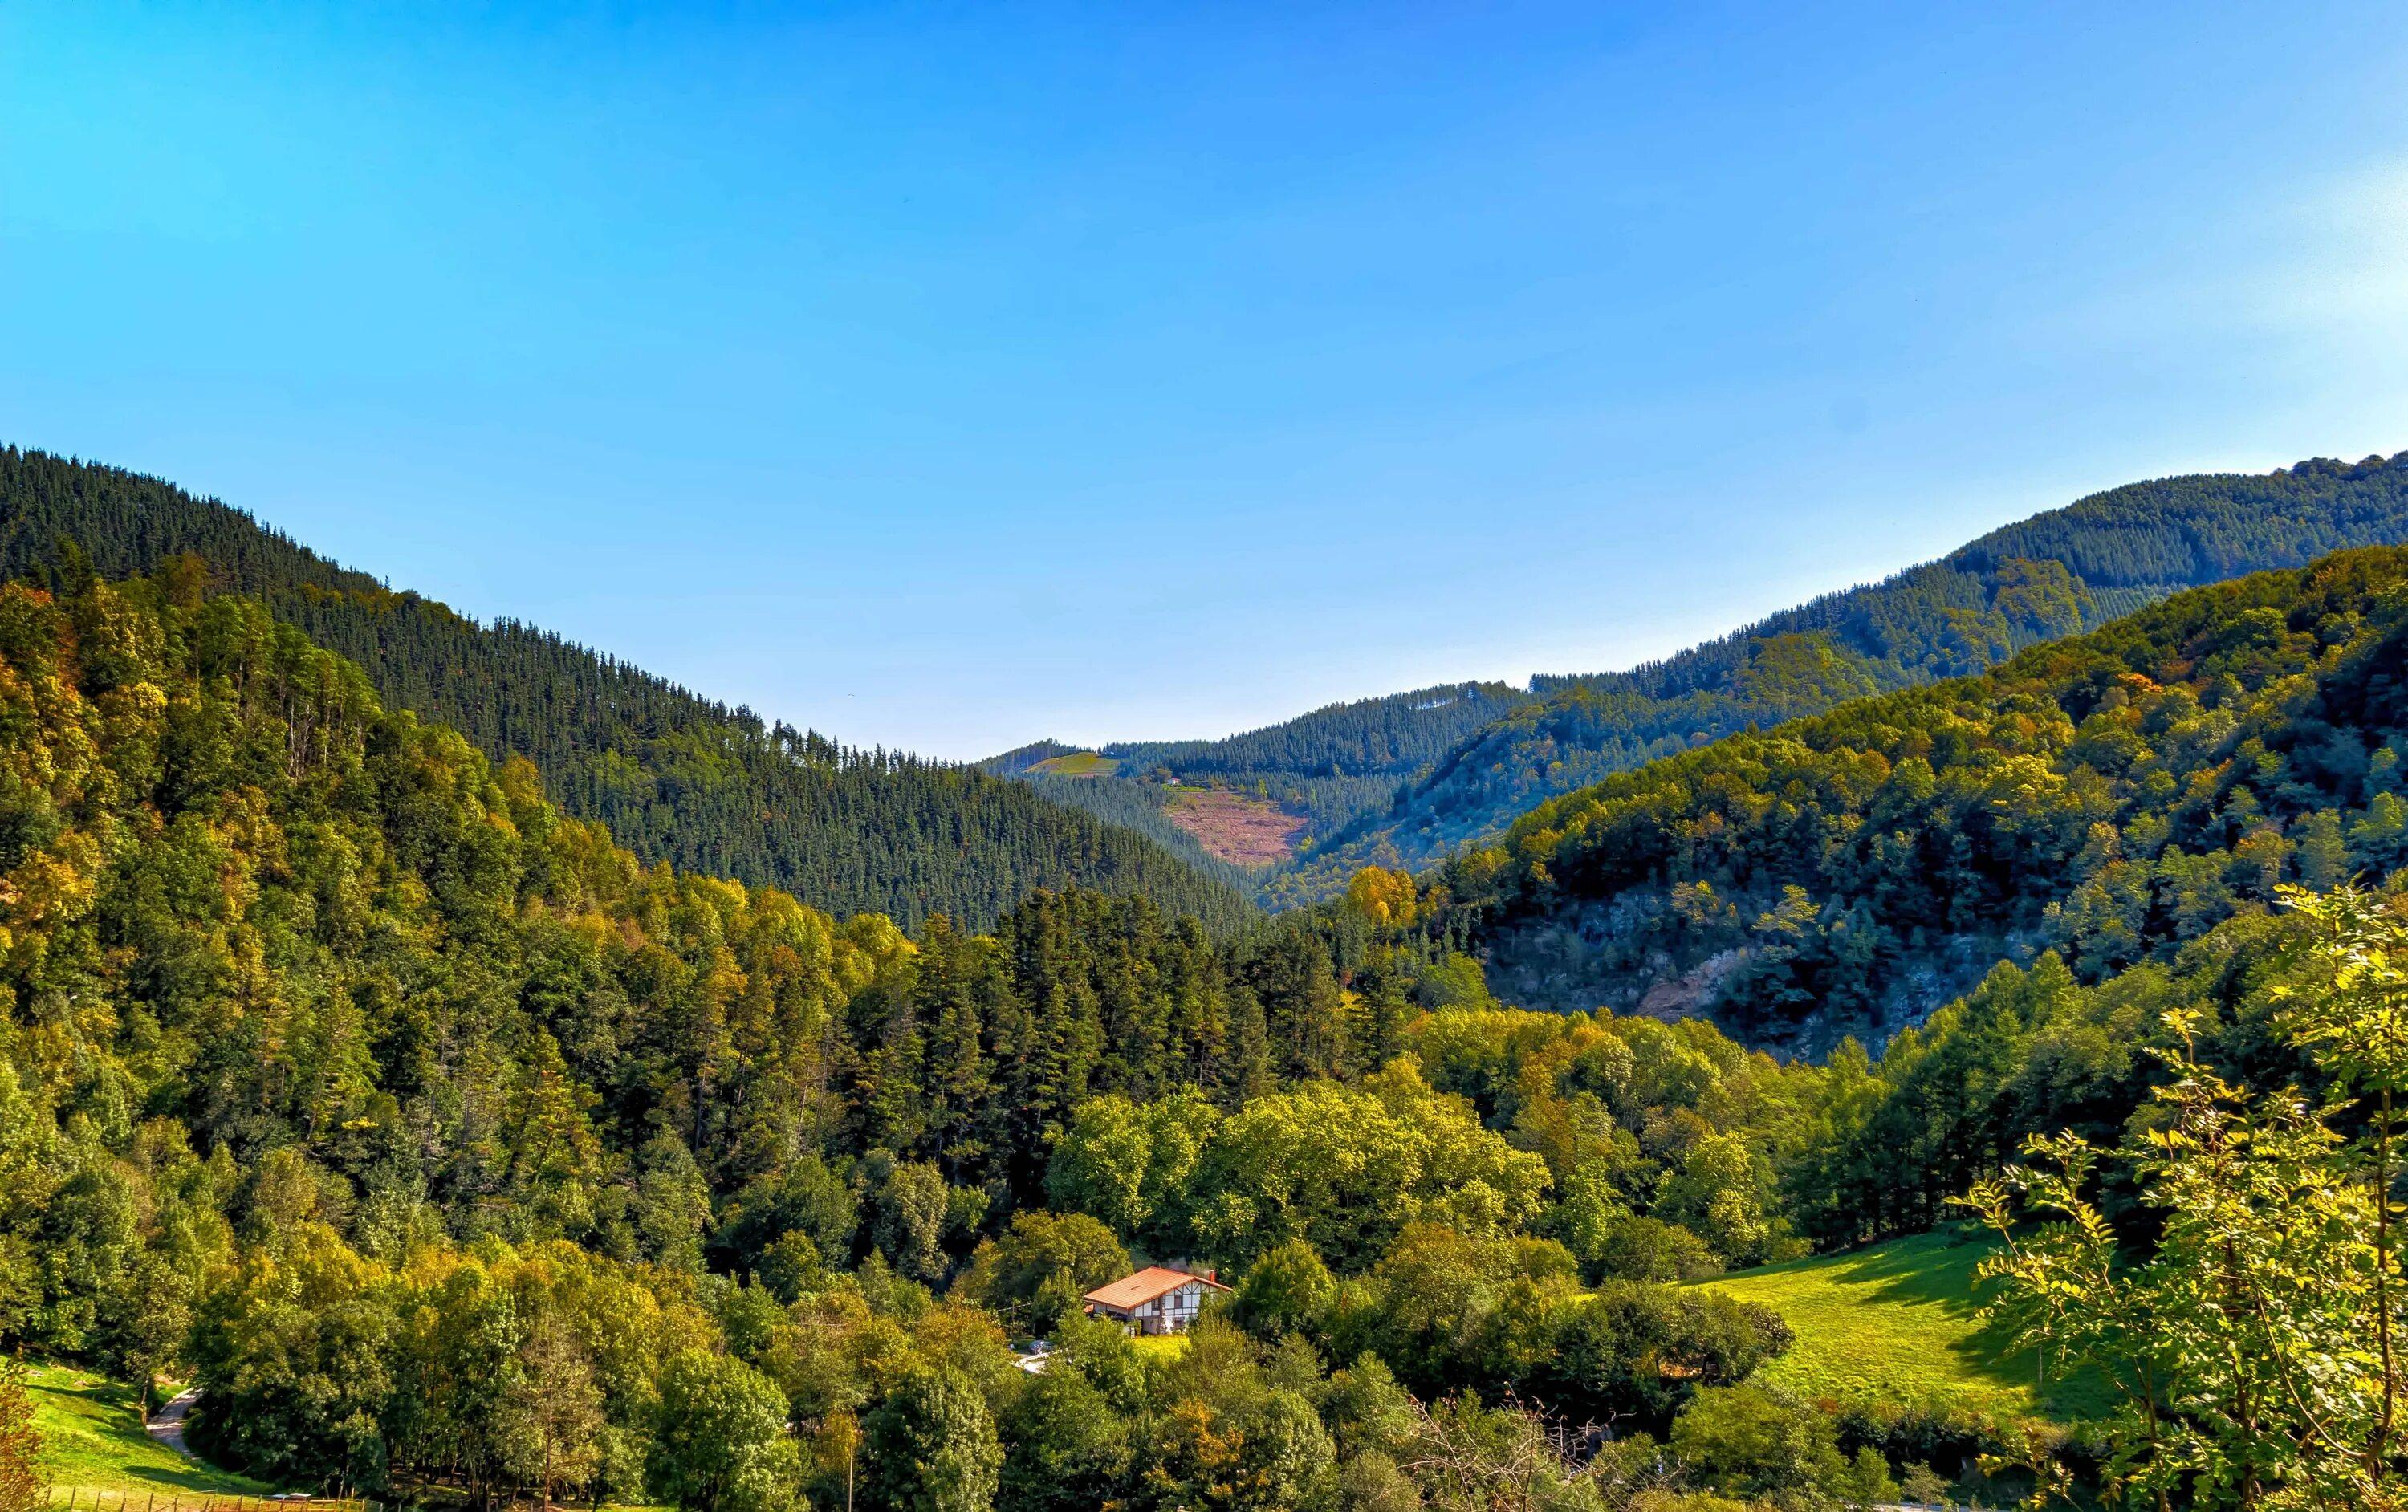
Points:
(1151, 1282)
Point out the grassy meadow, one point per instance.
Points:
(1078, 764)
(1897, 1321)
(93, 1440)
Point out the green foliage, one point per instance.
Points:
(1069, 1449)
(719, 1448)
(2254, 1351)
(934, 1447)
(1747, 1441)
(1287, 1290)
(291, 1358)
(1339, 1168)
(551, 1422)
(1644, 1128)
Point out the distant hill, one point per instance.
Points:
(2054, 575)
(1327, 768)
(675, 777)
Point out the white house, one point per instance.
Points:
(1156, 1300)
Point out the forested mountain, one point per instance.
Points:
(2055, 573)
(2108, 797)
(456, 1153)
(675, 777)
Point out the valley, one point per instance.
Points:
(1767, 873)
(354, 1060)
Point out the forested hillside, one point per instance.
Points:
(447, 1145)
(674, 777)
(1336, 762)
(1141, 806)
(1327, 767)
(2109, 797)
(2055, 573)
(458, 1154)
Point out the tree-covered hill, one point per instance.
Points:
(675, 777)
(2058, 573)
(458, 1154)
(1370, 737)
(2109, 797)
(451, 1149)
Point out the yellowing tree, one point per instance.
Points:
(1385, 899)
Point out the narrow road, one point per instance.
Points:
(167, 1423)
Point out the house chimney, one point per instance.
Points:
(1212, 1274)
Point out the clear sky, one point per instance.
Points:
(947, 376)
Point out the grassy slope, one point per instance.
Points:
(1897, 1322)
(1078, 764)
(93, 1439)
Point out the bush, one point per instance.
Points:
(1288, 1290)
(1746, 1441)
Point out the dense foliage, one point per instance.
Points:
(452, 1146)
(2254, 1348)
(2069, 570)
(674, 777)
(2110, 797)
(447, 1144)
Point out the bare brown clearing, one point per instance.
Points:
(1241, 830)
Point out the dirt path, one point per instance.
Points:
(167, 1423)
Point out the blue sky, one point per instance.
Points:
(947, 376)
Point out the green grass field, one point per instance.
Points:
(1897, 1322)
(1078, 764)
(92, 1439)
